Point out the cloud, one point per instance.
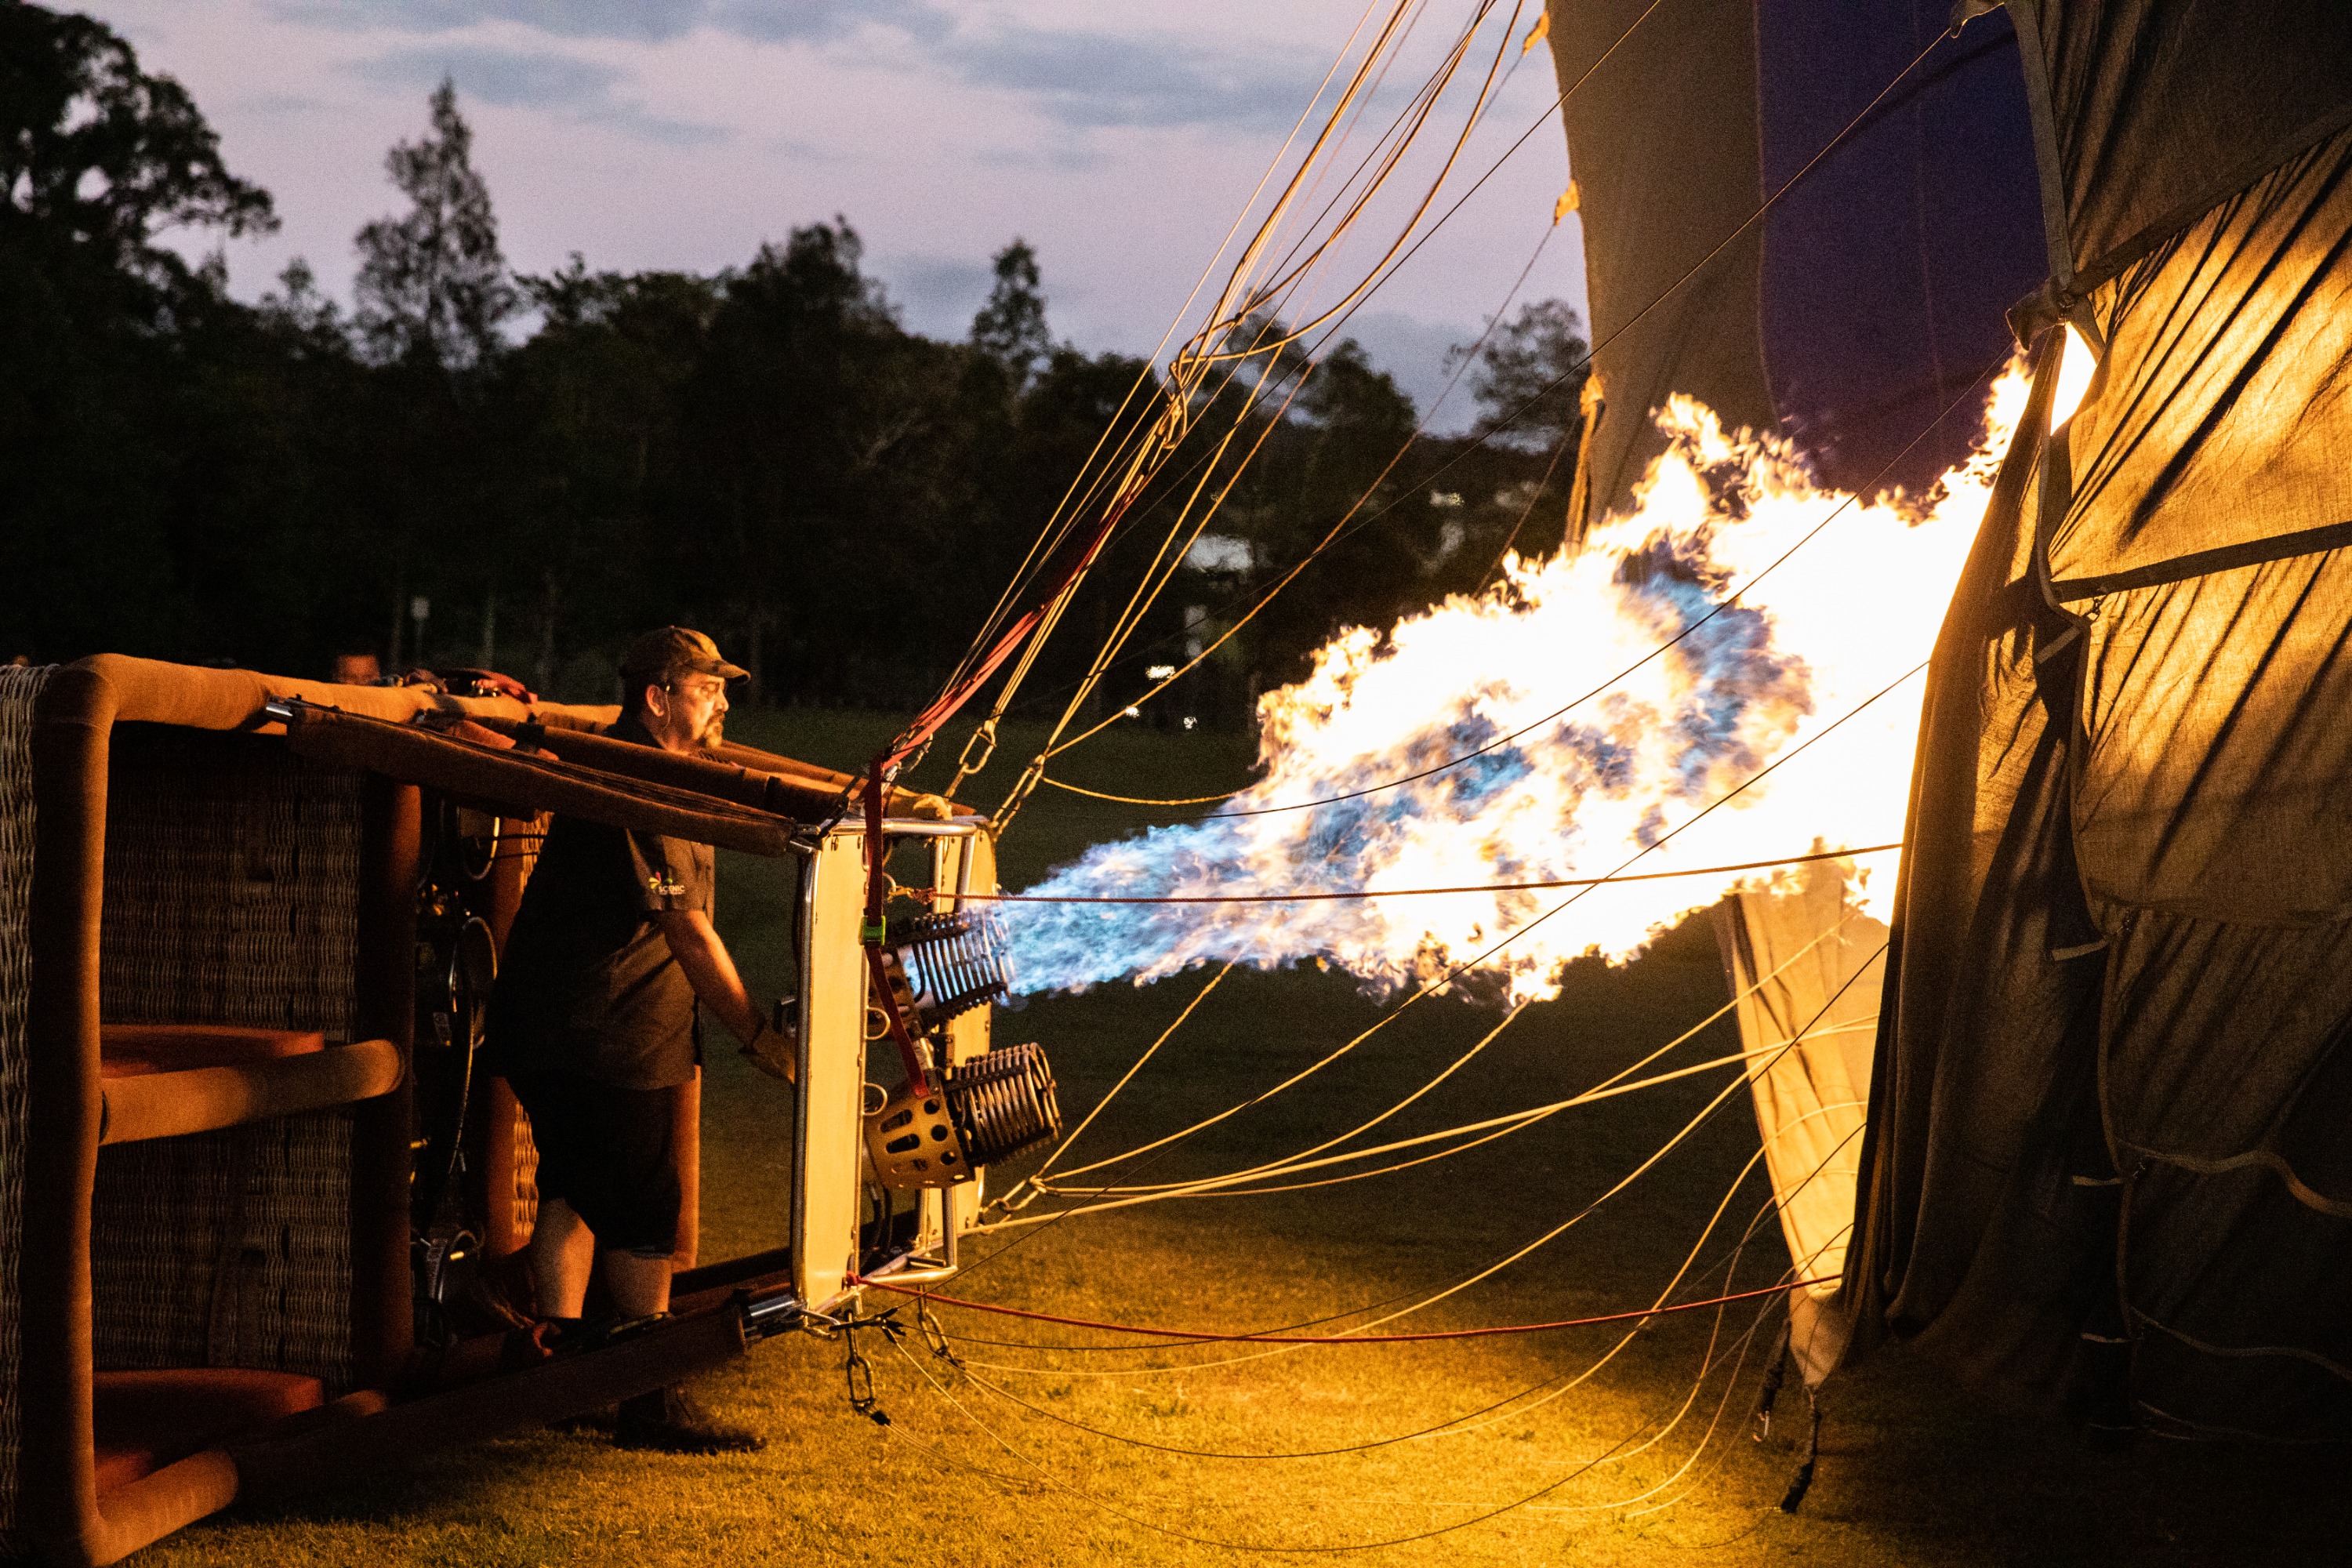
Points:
(1094, 80)
(635, 21)
(825, 21)
(1081, 79)
(513, 79)
(938, 293)
(641, 21)
(1413, 352)
(281, 103)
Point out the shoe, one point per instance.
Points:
(671, 1421)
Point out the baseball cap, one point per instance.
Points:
(669, 649)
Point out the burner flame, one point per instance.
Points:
(1617, 781)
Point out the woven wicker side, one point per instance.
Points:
(526, 1172)
(232, 872)
(232, 883)
(509, 1173)
(245, 1249)
(19, 688)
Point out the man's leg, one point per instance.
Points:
(562, 1254)
(639, 1284)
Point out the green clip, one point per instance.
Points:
(872, 932)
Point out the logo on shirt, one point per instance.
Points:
(664, 886)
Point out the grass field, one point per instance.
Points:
(989, 1464)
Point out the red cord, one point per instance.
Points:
(1339, 1339)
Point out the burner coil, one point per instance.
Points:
(986, 1110)
(1004, 1102)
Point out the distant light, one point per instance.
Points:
(1131, 714)
(1220, 552)
(1159, 673)
(2077, 365)
(1190, 721)
(1446, 500)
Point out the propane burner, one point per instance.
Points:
(986, 1110)
(941, 965)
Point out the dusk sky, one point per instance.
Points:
(1120, 139)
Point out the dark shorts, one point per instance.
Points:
(610, 1153)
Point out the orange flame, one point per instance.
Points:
(1625, 779)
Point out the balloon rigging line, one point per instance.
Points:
(1148, 591)
(1140, 465)
(1342, 528)
(1688, 1260)
(1690, 1127)
(1538, 124)
(1468, 1422)
(1072, 1137)
(1472, 1420)
(1344, 531)
(1608, 1088)
(1211, 1186)
(1421, 428)
(1515, 1121)
(1730, 1266)
(1413, 892)
(1106, 1506)
(1454, 1427)
(1297, 1163)
(1391, 259)
(1611, 1454)
(1357, 297)
(1637, 665)
(1022, 573)
(1468, 356)
(1497, 1411)
(1458, 970)
(1210, 1336)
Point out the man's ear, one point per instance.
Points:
(654, 701)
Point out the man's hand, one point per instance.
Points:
(933, 808)
(695, 944)
(773, 1053)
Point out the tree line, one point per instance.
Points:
(472, 467)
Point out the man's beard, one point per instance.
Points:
(713, 734)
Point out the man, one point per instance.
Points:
(353, 667)
(594, 1024)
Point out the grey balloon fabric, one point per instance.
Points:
(2106, 1132)
(1905, 219)
(1661, 138)
(2105, 1157)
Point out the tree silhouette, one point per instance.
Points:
(431, 285)
(98, 155)
(1530, 376)
(1011, 328)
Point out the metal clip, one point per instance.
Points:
(934, 1334)
(860, 1375)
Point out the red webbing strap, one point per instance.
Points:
(927, 723)
(877, 882)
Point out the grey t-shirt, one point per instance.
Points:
(587, 983)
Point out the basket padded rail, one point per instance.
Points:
(197, 1099)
